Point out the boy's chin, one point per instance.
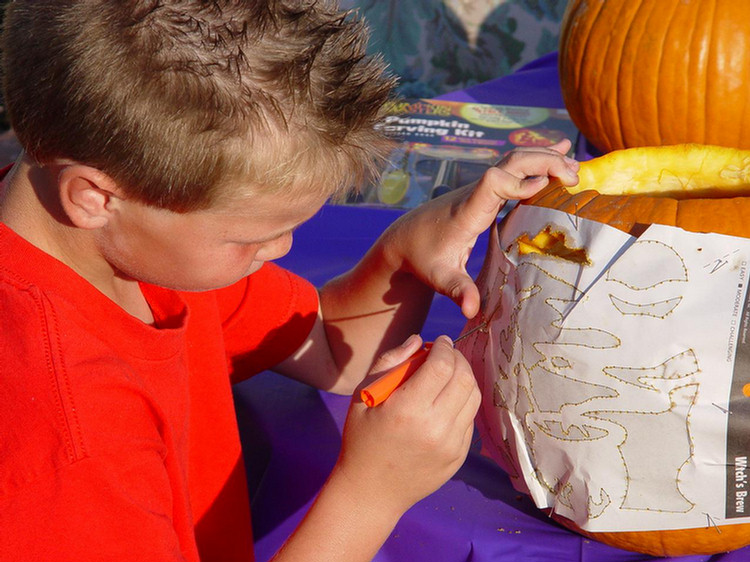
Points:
(253, 268)
(228, 281)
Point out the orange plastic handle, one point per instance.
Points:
(377, 391)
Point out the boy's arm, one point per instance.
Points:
(386, 296)
(397, 453)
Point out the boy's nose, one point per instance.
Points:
(275, 249)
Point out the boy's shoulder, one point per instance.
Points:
(69, 393)
(24, 315)
(40, 439)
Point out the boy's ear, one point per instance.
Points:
(87, 195)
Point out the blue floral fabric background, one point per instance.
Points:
(438, 46)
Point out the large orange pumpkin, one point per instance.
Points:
(698, 188)
(657, 72)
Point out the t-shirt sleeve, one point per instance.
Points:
(267, 317)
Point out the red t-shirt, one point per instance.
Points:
(118, 440)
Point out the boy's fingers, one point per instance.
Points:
(528, 163)
(466, 416)
(459, 390)
(562, 146)
(396, 356)
(430, 379)
(479, 211)
(455, 283)
(470, 299)
(466, 296)
(519, 176)
(470, 407)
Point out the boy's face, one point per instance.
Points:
(205, 249)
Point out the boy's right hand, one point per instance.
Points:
(410, 445)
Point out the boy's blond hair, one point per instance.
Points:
(175, 98)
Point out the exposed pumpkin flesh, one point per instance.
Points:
(686, 171)
(551, 243)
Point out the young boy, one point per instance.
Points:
(170, 149)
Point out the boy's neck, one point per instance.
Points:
(30, 206)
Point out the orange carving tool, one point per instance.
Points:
(377, 391)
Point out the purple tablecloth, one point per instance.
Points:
(291, 433)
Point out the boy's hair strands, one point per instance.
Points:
(179, 100)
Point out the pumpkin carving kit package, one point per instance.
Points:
(615, 365)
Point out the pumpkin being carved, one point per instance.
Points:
(657, 72)
(601, 393)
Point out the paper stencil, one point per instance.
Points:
(613, 384)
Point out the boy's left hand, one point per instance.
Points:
(434, 241)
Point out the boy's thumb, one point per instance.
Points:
(466, 295)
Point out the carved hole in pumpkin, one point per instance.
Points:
(551, 243)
